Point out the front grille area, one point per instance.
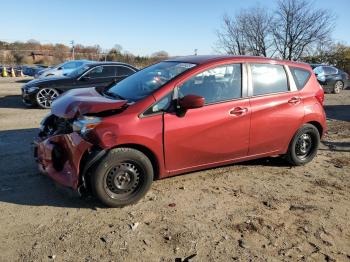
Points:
(54, 125)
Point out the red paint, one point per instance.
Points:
(73, 147)
(81, 101)
(204, 137)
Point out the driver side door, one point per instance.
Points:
(216, 133)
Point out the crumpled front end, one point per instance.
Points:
(59, 154)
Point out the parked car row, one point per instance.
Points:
(176, 116)
(32, 70)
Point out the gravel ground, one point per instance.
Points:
(260, 210)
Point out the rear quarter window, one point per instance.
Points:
(301, 76)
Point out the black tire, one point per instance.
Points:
(122, 177)
(338, 86)
(304, 145)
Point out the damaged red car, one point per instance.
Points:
(178, 116)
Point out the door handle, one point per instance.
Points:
(237, 111)
(294, 100)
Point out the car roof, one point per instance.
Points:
(92, 64)
(317, 65)
(203, 59)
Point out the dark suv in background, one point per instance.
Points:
(42, 92)
(331, 78)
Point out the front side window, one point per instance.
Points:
(268, 79)
(217, 84)
(146, 81)
(102, 71)
(301, 76)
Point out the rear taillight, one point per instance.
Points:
(320, 95)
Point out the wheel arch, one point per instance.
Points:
(318, 126)
(149, 153)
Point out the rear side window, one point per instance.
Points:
(124, 71)
(301, 76)
(102, 71)
(268, 79)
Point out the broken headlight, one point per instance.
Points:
(85, 124)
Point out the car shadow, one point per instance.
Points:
(266, 161)
(12, 101)
(338, 112)
(337, 146)
(20, 181)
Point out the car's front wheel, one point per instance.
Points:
(46, 96)
(122, 177)
(304, 145)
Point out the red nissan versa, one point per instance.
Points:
(177, 116)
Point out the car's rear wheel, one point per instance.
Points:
(122, 178)
(338, 86)
(46, 96)
(304, 145)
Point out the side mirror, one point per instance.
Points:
(191, 102)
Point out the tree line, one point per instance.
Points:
(33, 52)
(293, 30)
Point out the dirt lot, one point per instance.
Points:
(260, 210)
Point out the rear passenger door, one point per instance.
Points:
(277, 108)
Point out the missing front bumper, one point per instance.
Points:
(60, 157)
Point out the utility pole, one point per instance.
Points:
(72, 43)
(195, 51)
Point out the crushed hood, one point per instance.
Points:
(83, 101)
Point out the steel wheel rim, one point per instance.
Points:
(304, 146)
(46, 96)
(338, 86)
(123, 180)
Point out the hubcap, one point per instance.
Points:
(303, 146)
(122, 180)
(338, 86)
(46, 96)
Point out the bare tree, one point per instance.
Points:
(160, 54)
(256, 28)
(298, 27)
(230, 37)
(246, 33)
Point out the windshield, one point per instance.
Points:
(77, 72)
(145, 82)
(318, 70)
